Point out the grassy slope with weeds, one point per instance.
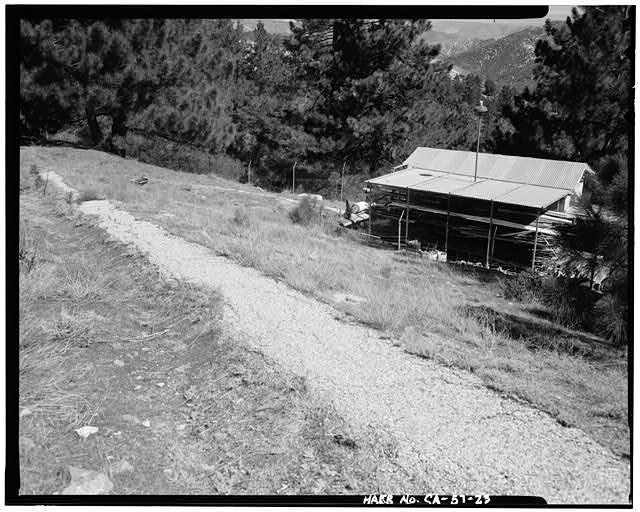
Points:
(102, 335)
(434, 310)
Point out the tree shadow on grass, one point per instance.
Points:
(540, 333)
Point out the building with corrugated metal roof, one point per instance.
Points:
(499, 210)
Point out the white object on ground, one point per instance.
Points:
(129, 418)
(85, 432)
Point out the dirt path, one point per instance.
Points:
(465, 437)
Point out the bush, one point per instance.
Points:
(37, 179)
(610, 319)
(180, 157)
(570, 303)
(27, 252)
(307, 211)
(241, 217)
(527, 286)
(88, 195)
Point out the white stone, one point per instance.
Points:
(85, 432)
(87, 481)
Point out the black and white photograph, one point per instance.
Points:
(330, 255)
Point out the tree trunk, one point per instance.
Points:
(373, 163)
(94, 127)
(119, 124)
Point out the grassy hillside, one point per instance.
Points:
(180, 407)
(453, 316)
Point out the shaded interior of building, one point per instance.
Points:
(479, 231)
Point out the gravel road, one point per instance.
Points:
(467, 438)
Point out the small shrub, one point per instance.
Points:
(241, 217)
(37, 179)
(610, 320)
(27, 259)
(524, 287)
(307, 211)
(385, 271)
(86, 195)
(227, 167)
(26, 253)
(571, 303)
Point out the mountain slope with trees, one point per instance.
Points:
(506, 61)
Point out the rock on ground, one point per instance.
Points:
(87, 481)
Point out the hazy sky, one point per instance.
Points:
(559, 12)
(556, 12)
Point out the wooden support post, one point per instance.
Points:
(493, 243)
(489, 235)
(400, 228)
(535, 243)
(370, 215)
(406, 230)
(294, 177)
(249, 173)
(446, 229)
(344, 164)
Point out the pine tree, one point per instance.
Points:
(580, 109)
(72, 68)
(363, 77)
(266, 110)
(196, 65)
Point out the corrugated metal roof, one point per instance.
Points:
(532, 196)
(516, 169)
(404, 178)
(487, 189)
(443, 184)
(499, 191)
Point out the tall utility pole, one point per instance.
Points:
(480, 110)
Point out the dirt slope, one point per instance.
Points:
(464, 436)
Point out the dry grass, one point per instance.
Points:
(424, 304)
(88, 195)
(247, 427)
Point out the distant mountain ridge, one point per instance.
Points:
(456, 36)
(502, 51)
(508, 60)
(273, 26)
